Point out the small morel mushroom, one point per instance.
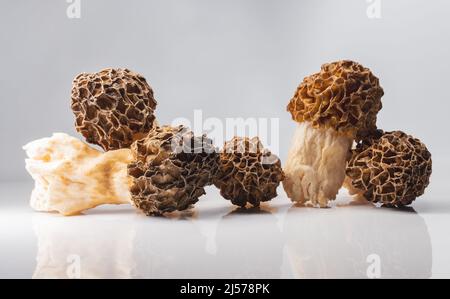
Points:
(113, 107)
(170, 169)
(333, 108)
(389, 168)
(248, 173)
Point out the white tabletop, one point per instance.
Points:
(216, 240)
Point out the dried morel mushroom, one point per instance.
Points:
(248, 173)
(170, 169)
(333, 108)
(391, 168)
(344, 96)
(113, 107)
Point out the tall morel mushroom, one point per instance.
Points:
(170, 169)
(333, 108)
(113, 107)
(389, 168)
(248, 173)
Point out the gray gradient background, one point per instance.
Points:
(229, 58)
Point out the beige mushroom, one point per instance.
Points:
(71, 177)
(333, 108)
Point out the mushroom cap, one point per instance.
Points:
(113, 107)
(170, 169)
(391, 168)
(248, 173)
(344, 95)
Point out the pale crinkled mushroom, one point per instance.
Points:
(313, 159)
(71, 177)
(389, 168)
(333, 108)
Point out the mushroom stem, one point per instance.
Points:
(71, 177)
(315, 167)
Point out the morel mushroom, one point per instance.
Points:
(248, 173)
(113, 107)
(389, 168)
(333, 108)
(170, 169)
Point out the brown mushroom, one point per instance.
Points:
(170, 169)
(389, 168)
(113, 107)
(248, 173)
(333, 108)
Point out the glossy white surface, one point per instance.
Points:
(216, 240)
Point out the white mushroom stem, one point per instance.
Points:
(315, 167)
(71, 177)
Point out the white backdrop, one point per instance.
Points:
(240, 58)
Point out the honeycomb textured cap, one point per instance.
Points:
(113, 107)
(391, 168)
(170, 169)
(248, 173)
(344, 95)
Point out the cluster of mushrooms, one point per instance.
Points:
(337, 143)
(170, 166)
(160, 169)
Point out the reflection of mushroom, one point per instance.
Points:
(170, 169)
(358, 234)
(113, 107)
(71, 177)
(253, 251)
(170, 249)
(92, 247)
(333, 107)
(390, 168)
(248, 173)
